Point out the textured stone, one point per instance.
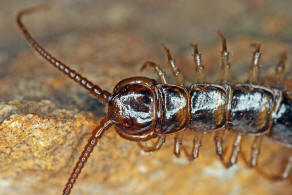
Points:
(42, 147)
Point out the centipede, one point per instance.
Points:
(143, 109)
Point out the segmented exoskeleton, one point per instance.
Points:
(142, 109)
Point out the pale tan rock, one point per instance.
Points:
(38, 152)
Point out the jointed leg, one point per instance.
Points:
(255, 151)
(280, 69)
(253, 162)
(219, 135)
(157, 69)
(177, 144)
(197, 143)
(254, 69)
(284, 175)
(200, 69)
(195, 149)
(156, 146)
(288, 169)
(235, 150)
(225, 64)
(179, 78)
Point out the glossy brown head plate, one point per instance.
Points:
(132, 108)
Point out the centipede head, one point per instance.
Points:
(132, 108)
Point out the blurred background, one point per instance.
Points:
(107, 41)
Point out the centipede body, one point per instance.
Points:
(143, 109)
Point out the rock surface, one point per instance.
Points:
(46, 119)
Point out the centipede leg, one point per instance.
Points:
(284, 175)
(218, 138)
(178, 76)
(225, 64)
(280, 69)
(96, 135)
(200, 69)
(156, 146)
(288, 169)
(197, 143)
(177, 144)
(235, 150)
(254, 69)
(255, 151)
(161, 74)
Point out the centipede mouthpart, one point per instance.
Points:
(142, 108)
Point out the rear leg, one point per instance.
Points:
(156, 68)
(288, 169)
(156, 146)
(254, 162)
(279, 77)
(280, 74)
(286, 173)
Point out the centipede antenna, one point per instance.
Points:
(280, 68)
(178, 76)
(96, 135)
(199, 69)
(81, 80)
(254, 69)
(225, 64)
(160, 73)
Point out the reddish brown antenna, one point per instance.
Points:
(81, 80)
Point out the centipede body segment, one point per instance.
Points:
(142, 108)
